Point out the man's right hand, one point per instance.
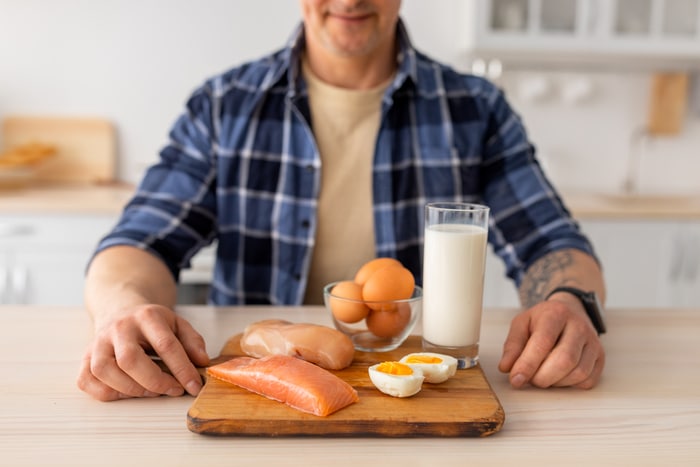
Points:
(118, 362)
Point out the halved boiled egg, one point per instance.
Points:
(396, 379)
(436, 368)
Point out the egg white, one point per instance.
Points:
(396, 385)
(433, 372)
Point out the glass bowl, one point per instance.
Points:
(387, 324)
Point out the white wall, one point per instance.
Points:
(586, 145)
(132, 61)
(136, 61)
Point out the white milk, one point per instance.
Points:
(453, 283)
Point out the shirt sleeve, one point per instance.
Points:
(528, 217)
(172, 214)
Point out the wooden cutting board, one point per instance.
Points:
(463, 406)
(668, 103)
(86, 147)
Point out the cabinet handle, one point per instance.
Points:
(692, 256)
(676, 260)
(591, 18)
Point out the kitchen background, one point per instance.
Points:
(587, 76)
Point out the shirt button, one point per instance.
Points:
(310, 168)
(297, 277)
(305, 223)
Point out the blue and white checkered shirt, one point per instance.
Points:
(242, 167)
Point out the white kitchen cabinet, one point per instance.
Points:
(636, 257)
(499, 290)
(683, 285)
(648, 263)
(656, 32)
(43, 257)
(195, 281)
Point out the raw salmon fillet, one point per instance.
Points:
(298, 383)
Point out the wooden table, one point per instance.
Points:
(646, 411)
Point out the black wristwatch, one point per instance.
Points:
(590, 303)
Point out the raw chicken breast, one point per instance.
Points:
(324, 346)
(299, 384)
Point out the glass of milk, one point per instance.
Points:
(453, 279)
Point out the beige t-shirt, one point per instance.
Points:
(345, 123)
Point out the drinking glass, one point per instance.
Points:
(453, 279)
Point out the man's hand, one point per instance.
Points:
(117, 364)
(553, 344)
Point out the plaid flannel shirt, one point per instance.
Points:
(242, 168)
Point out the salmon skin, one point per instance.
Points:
(298, 383)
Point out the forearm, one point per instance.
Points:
(561, 268)
(121, 277)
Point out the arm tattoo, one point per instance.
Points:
(547, 273)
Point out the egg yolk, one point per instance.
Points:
(417, 359)
(394, 368)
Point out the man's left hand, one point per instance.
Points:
(553, 344)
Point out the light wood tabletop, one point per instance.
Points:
(646, 410)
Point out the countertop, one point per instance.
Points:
(110, 199)
(633, 206)
(66, 199)
(645, 411)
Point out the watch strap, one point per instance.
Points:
(590, 303)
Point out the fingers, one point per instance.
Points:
(93, 386)
(515, 342)
(541, 337)
(134, 373)
(90, 384)
(193, 342)
(566, 364)
(123, 366)
(170, 349)
(595, 375)
(117, 366)
(557, 348)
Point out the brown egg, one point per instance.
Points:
(347, 311)
(372, 266)
(387, 284)
(389, 323)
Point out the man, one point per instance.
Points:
(306, 164)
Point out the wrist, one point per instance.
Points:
(587, 301)
(571, 301)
